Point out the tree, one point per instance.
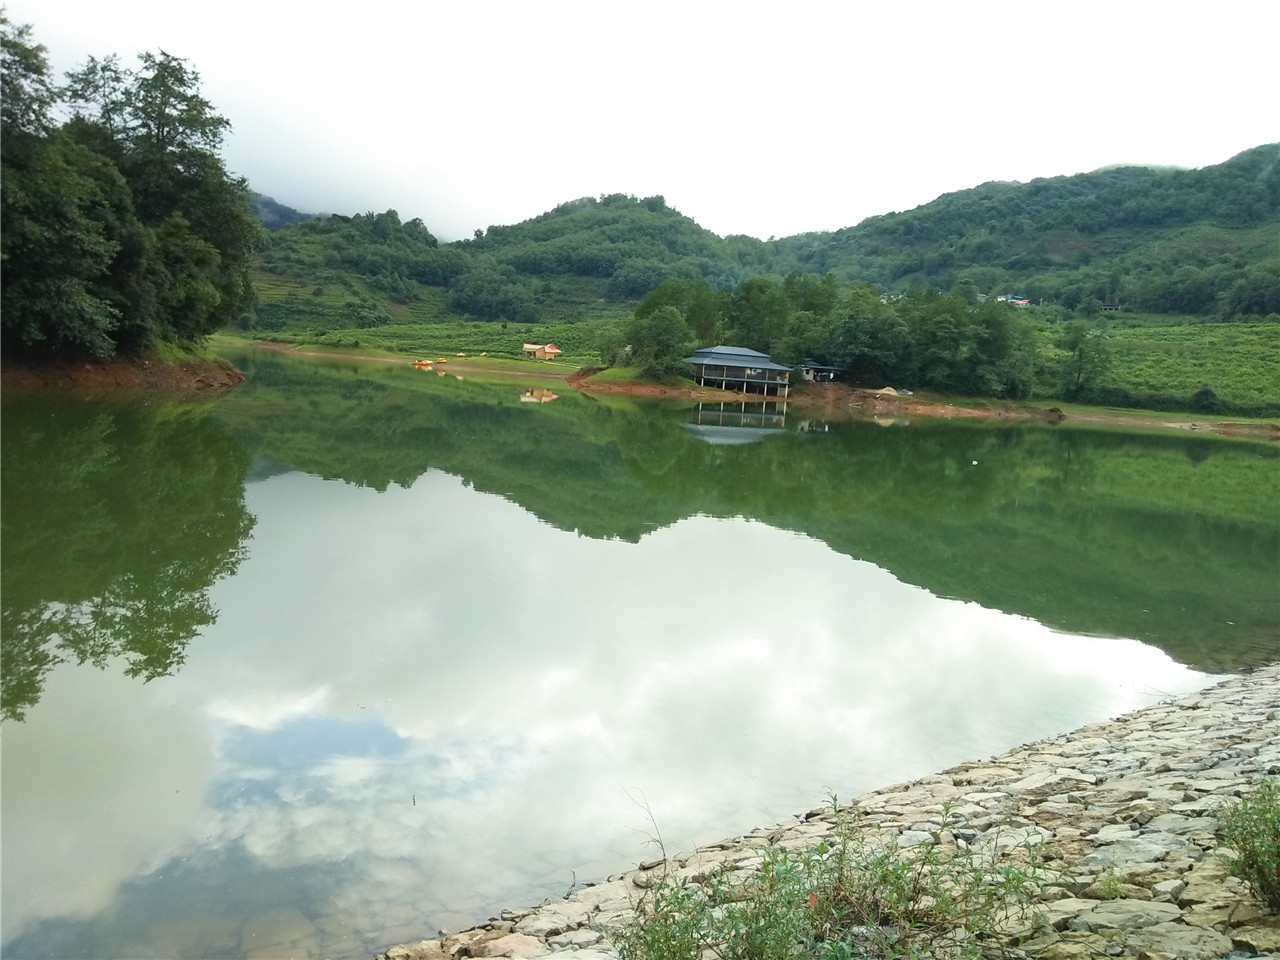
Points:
(966, 290)
(816, 295)
(757, 313)
(1087, 360)
(694, 298)
(871, 341)
(659, 341)
(610, 343)
(52, 249)
(122, 226)
(26, 88)
(54, 253)
(1205, 400)
(164, 136)
(97, 92)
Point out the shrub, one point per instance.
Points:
(1251, 828)
(854, 896)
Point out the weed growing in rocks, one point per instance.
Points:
(1251, 827)
(852, 896)
(1109, 883)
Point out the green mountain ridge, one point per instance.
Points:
(1203, 241)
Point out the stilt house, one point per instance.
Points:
(737, 368)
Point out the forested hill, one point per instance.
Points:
(633, 244)
(1199, 242)
(1190, 241)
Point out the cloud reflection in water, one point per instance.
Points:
(420, 705)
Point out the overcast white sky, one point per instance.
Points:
(764, 119)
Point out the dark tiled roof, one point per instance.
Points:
(735, 351)
(733, 357)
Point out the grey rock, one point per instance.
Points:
(1178, 824)
(1126, 915)
(1150, 848)
(1258, 936)
(551, 921)
(512, 945)
(1167, 889)
(576, 939)
(1181, 940)
(914, 838)
(1113, 832)
(1059, 913)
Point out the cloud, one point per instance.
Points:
(795, 118)
(415, 704)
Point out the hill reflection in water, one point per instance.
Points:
(469, 637)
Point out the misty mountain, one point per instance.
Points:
(1155, 240)
(274, 215)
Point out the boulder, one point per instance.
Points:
(1170, 939)
(1125, 915)
(1258, 936)
(422, 950)
(511, 945)
(553, 920)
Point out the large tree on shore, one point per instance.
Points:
(122, 225)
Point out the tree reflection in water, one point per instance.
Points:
(117, 518)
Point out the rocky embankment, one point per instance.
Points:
(1122, 811)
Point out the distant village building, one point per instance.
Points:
(541, 351)
(1110, 307)
(815, 372)
(738, 368)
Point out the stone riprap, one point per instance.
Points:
(1122, 811)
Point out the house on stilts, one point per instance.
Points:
(737, 368)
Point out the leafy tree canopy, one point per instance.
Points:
(122, 225)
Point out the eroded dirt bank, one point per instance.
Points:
(123, 376)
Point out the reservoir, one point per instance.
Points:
(358, 652)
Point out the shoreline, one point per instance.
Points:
(215, 376)
(838, 400)
(1122, 808)
(842, 401)
(180, 377)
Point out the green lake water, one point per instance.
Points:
(357, 651)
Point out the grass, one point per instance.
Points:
(857, 895)
(167, 352)
(620, 375)
(1240, 361)
(1251, 828)
(1158, 362)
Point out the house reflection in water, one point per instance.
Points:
(734, 423)
(538, 395)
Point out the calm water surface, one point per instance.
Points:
(360, 652)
